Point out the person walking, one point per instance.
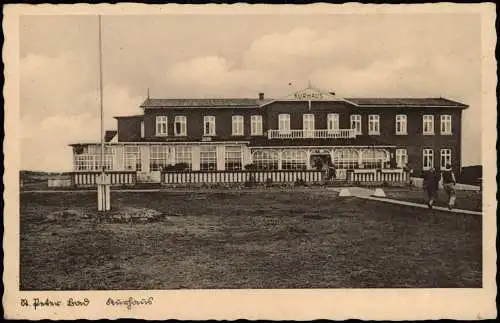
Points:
(431, 185)
(449, 182)
(325, 171)
(409, 175)
(333, 171)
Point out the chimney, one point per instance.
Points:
(261, 96)
(332, 93)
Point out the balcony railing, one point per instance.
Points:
(317, 134)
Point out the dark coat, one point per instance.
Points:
(431, 180)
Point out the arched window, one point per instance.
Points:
(294, 159)
(345, 158)
(265, 160)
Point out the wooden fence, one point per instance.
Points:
(90, 178)
(377, 176)
(283, 176)
(243, 176)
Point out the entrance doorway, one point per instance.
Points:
(317, 161)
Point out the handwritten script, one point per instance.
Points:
(37, 303)
(130, 302)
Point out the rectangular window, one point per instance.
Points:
(445, 158)
(233, 158)
(401, 128)
(284, 123)
(159, 157)
(237, 125)
(132, 158)
(183, 156)
(209, 126)
(142, 128)
(428, 124)
(266, 159)
(427, 159)
(356, 123)
(161, 126)
(294, 159)
(84, 162)
(446, 124)
(256, 125)
(180, 126)
(308, 125)
(208, 157)
(401, 157)
(90, 158)
(374, 124)
(333, 122)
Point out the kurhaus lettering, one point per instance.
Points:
(308, 95)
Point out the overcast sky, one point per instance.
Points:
(392, 55)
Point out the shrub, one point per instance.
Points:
(300, 182)
(251, 181)
(181, 167)
(169, 168)
(250, 167)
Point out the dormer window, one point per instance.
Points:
(237, 125)
(356, 123)
(209, 125)
(401, 124)
(161, 126)
(256, 125)
(428, 124)
(180, 126)
(333, 122)
(374, 124)
(446, 124)
(284, 123)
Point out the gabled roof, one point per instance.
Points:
(200, 103)
(405, 102)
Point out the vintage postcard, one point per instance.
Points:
(277, 162)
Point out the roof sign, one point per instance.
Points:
(309, 94)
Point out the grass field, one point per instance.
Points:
(255, 239)
(467, 200)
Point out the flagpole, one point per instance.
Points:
(101, 97)
(103, 184)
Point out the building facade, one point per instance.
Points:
(302, 131)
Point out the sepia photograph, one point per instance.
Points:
(246, 151)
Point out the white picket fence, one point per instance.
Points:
(378, 176)
(308, 176)
(90, 178)
(242, 176)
